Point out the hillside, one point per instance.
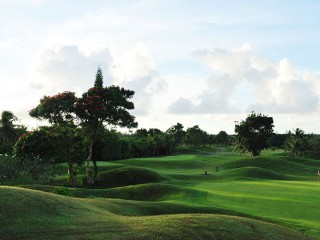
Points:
(169, 197)
(29, 214)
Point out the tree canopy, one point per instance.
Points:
(253, 133)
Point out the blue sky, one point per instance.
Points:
(195, 62)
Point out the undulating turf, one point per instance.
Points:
(170, 197)
(39, 215)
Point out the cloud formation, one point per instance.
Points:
(277, 87)
(68, 68)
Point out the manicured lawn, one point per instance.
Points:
(170, 198)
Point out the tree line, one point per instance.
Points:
(80, 127)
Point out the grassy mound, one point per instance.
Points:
(147, 192)
(30, 214)
(125, 176)
(255, 173)
(280, 165)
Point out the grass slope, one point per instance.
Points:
(125, 176)
(169, 197)
(51, 216)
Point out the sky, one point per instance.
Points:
(208, 62)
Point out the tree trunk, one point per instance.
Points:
(255, 153)
(72, 176)
(88, 171)
(95, 169)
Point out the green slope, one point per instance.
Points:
(31, 214)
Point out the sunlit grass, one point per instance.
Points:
(136, 196)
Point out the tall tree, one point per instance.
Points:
(101, 106)
(7, 129)
(253, 133)
(98, 83)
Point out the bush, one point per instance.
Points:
(8, 168)
(64, 191)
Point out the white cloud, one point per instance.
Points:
(132, 64)
(278, 87)
(67, 68)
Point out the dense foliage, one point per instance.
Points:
(9, 168)
(253, 133)
(9, 132)
(36, 154)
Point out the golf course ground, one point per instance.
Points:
(268, 197)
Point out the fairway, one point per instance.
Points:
(169, 197)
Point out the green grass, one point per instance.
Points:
(169, 197)
(51, 216)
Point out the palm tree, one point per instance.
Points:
(7, 128)
(297, 143)
(240, 145)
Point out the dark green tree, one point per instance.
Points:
(142, 132)
(36, 153)
(277, 140)
(8, 133)
(101, 106)
(177, 132)
(9, 168)
(195, 136)
(253, 133)
(98, 83)
(222, 138)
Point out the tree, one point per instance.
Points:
(297, 143)
(59, 110)
(99, 106)
(8, 133)
(240, 144)
(277, 140)
(69, 148)
(35, 151)
(315, 145)
(222, 138)
(195, 136)
(142, 132)
(9, 168)
(254, 132)
(177, 132)
(98, 83)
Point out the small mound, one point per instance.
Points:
(126, 176)
(279, 165)
(256, 173)
(210, 226)
(144, 192)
